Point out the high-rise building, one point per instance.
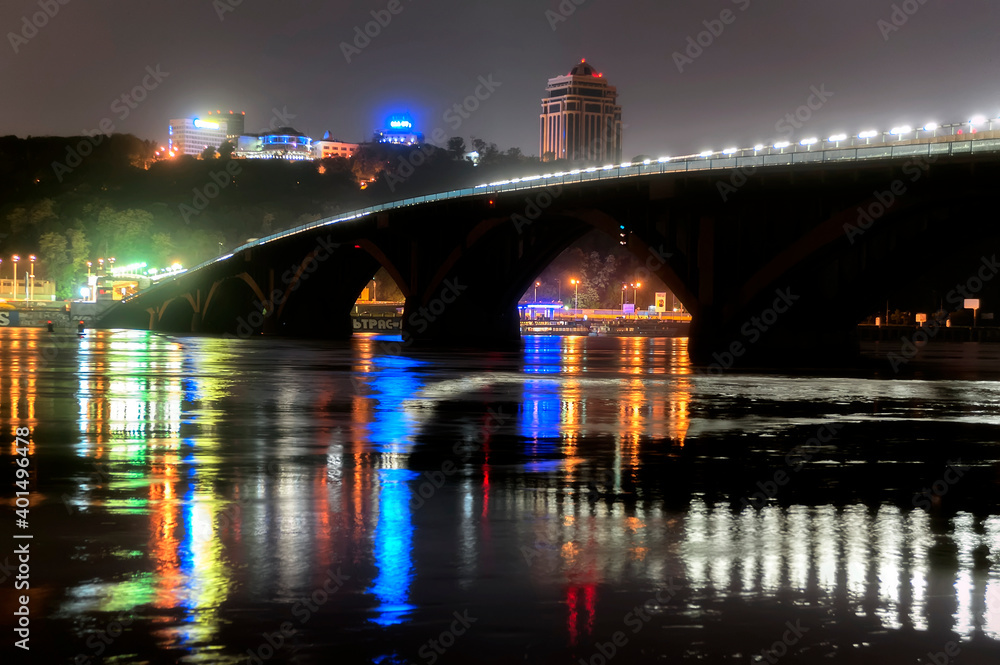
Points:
(581, 119)
(190, 136)
(235, 123)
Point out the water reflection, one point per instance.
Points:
(232, 477)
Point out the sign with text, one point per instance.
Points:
(972, 303)
(9, 318)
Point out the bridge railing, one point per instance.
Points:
(747, 158)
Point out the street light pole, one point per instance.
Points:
(31, 292)
(537, 284)
(16, 259)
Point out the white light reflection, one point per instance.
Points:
(918, 536)
(888, 553)
(798, 547)
(856, 554)
(966, 540)
(827, 548)
(991, 614)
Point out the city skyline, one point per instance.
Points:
(679, 96)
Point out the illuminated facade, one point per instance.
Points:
(330, 147)
(581, 119)
(399, 130)
(283, 143)
(235, 123)
(190, 136)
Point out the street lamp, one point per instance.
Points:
(16, 259)
(31, 292)
(537, 284)
(635, 295)
(576, 298)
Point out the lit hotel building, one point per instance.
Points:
(190, 136)
(581, 119)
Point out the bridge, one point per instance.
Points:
(777, 252)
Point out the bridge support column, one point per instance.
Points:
(469, 326)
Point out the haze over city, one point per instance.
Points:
(256, 57)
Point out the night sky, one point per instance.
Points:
(940, 65)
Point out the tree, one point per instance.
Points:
(163, 249)
(208, 153)
(226, 150)
(124, 233)
(456, 147)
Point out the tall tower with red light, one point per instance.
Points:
(581, 120)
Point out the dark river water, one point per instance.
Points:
(594, 500)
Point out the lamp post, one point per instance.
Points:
(623, 297)
(537, 284)
(576, 298)
(16, 259)
(374, 291)
(31, 292)
(635, 295)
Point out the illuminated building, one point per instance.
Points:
(399, 130)
(190, 136)
(330, 147)
(283, 143)
(581, 119)
(235, 123)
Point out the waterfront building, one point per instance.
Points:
(581, 119)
